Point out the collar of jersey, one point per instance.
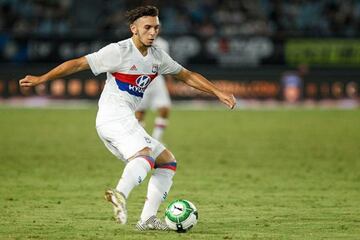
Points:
(138, 51)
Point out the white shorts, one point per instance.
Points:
(156, 95)
(125, 137)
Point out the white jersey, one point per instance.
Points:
(157, 94)
(128, 75)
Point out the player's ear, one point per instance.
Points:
(133, 29)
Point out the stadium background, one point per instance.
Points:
(245, 46)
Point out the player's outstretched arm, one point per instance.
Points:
(64, 69)
(199, 82)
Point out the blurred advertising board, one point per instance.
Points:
(250, 67)
(264, 85)
(323, 52)
(221, 51)
(224, 52)
(187, 50)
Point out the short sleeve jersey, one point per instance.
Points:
(128, 75)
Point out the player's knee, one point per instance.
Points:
(169, 165)
(143, 152)
(145, 155)
(166, 160)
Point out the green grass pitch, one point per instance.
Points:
(252, 175)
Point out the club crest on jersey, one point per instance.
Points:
(155, 68)
(143, 81)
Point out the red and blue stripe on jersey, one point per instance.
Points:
(134, 84)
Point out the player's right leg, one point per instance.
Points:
(133, 175)
(128, 141)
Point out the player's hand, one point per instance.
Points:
(228, 99)
(30, 81)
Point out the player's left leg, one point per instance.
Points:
(158, 189)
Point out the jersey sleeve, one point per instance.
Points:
(168, 65)
(107, 59)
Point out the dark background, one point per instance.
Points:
(246, 46)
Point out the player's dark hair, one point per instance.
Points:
(141, 11)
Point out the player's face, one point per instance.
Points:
(146, 29)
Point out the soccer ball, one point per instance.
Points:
(181, 215)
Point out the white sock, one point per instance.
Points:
(159, 128)
(158, 189)
(134, 173)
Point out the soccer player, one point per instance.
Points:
(116, 123)
(156, 97)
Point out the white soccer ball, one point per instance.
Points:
(181, 215)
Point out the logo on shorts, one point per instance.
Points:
(143, 81)
(147, 140)
(155, 68)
